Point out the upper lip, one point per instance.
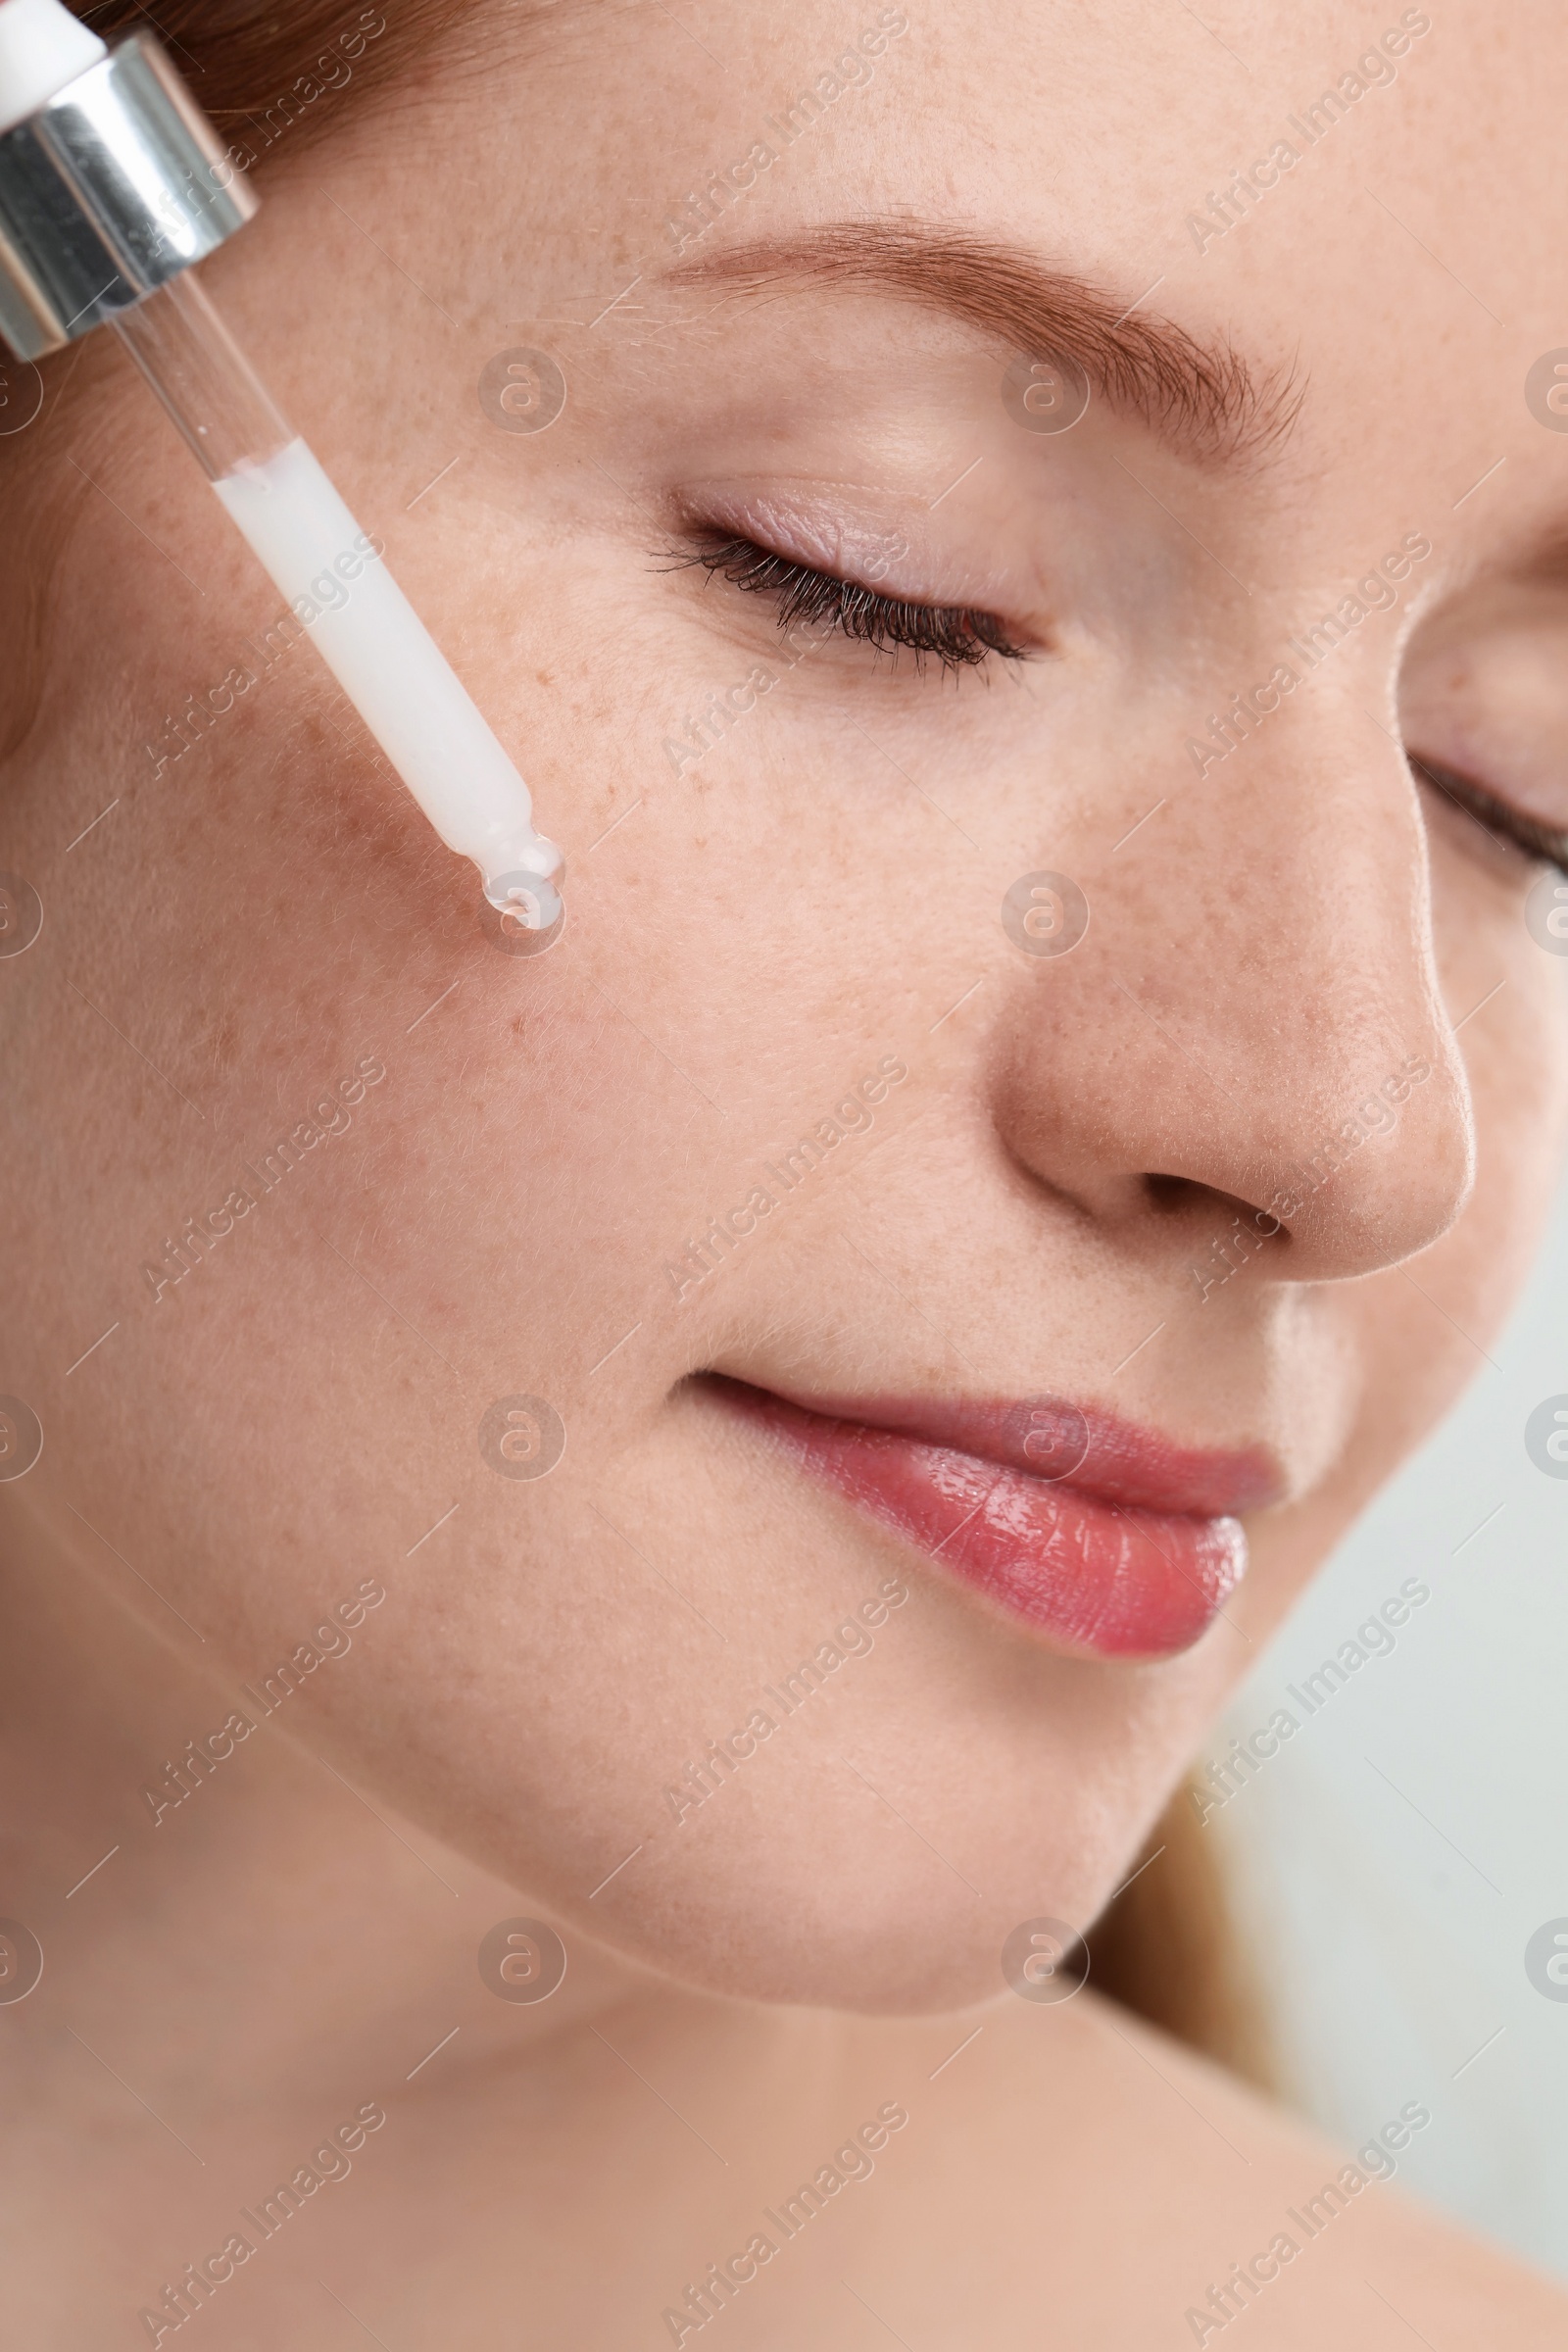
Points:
(1085, 1446)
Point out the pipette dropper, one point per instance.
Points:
(113, 186)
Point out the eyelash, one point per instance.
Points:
(962, 638)
(956, 635)
(1545, 843)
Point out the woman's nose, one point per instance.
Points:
(1251, 1011)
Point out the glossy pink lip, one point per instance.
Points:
(1107, 1539)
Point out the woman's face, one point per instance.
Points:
(921, 1281)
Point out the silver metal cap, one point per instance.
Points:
(109, 190)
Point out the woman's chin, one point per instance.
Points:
(849, 1928)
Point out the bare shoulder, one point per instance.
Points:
(1166, 2201)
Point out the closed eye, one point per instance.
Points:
(959, 636)
(1546, 843)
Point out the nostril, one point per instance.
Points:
(1221, 1234)
(1179, 1196)
(1170, 1193)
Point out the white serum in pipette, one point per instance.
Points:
(397, 677)
(150, 155)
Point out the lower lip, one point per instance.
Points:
(1096, 1578)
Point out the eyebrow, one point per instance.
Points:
(1202, 397)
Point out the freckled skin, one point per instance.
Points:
(1272, 942)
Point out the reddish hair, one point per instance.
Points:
(243, 56)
